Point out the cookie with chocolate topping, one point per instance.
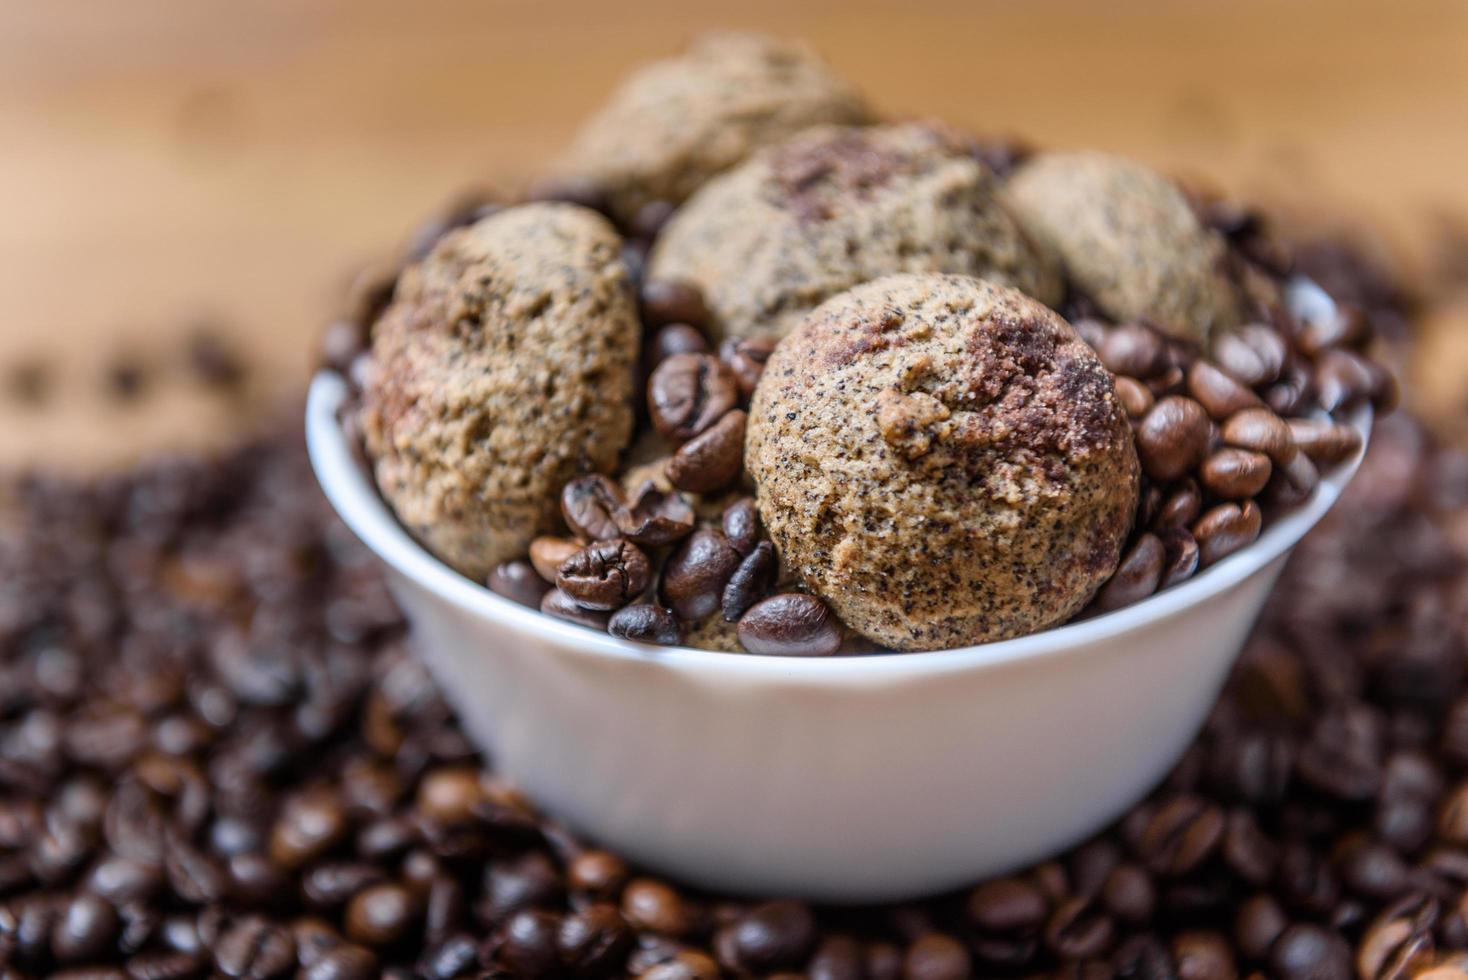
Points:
(943, 460)
(834, 207)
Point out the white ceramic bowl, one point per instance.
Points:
(846, 779)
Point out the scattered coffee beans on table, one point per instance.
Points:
(217, 759)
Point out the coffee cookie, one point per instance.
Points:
(1129, 240)
(835, 207)
(943, 460)
(675, 123)
(503, 367)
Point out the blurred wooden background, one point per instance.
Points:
(172, 164)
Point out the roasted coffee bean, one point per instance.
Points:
(1220, 395)
(688, 393)
(1181, 835)
(1235, 474)
(1259, 922)
(741, 525)
(1007, 905)
(746, 357)
(1262, 431)
(1309, 952)
(519, 582)
(1137, 575)
(654, 906)
(254, 948)
(1129, 895)
(590, 504)
(713, 459)
(332, 885)
(837, 958)
(605, 574)
(527, 944)
(1252, 355)
(936, 956)
(676, 338)
(1294, 482)
(599, 874)
(687, 964)
(1078, 930)
(84, 930)
(594, 941)
(1202, 954)
(255, 880)
(1225, 529)
(451, 795)
(655, 518)
(792, 624)
(345, 962)
(547, 555)
(773, 936)
(381, 914)
(1133, 350)
(308, 827)
(1181, 554)
(560, 605)
(512, 884)
(646, 622)
(696, 573)
(120, 880)
(1343, 379)
(1324, 441)
(1134, 396)
(754, 577)
(1181, 507)
(667, 301)
(1172, 438)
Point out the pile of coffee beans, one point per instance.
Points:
(218, 759)
(1227, 438)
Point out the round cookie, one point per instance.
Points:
(943, 460)
(1129, 240)
(502, 368)
(834, 207)
(675, 123)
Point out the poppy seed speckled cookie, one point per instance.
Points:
(502, 368)
(1129, 240)
(834, 207)
(677, 122)
(943, 460)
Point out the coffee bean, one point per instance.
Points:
(589, 504)
(837, 958)
(548, 554)
(1181, 553)
(1343, 379)
(1259, 922)
(687, 964)
(344, 962)
(527, 944)
(741, 525)
(605, 574)
(1325, 442)
(1181, 507)
(594, 941)
(1129, 895)
(1309, 952)
(530, 880)
(1132, 350)
(936, 957)
(560, 605)
(1078, 930)
(775, 935)
(746, 357)
(519, 582)
(646, 622)
(1134, 396)
(307, 828)
(1293, 483)
(688, 393)
(85, 929)
(667, 301)
(676, 338)
(696, 573)
(655, 518)
(1260, 430)
(1235, 474)
(166, 966)
(1172, 438)
(1220, 395)
(654, 906)
(1137, 575)
(713, 459)
(792, 624)
(600, 874)
(1203, 955)
(754, 577)
(1252, 355)
(1181, 835)
(1225, 529)
(120, 880)
(381, 915)
(254, 948)
(1007, 905)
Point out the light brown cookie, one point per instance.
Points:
(943, 460)
(835, 207)
(502, 368)
(1128, 240)
(675, 123)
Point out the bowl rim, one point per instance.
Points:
(366, 514)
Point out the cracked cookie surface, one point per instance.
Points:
(943, 460)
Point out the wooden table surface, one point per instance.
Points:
(172, 163)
